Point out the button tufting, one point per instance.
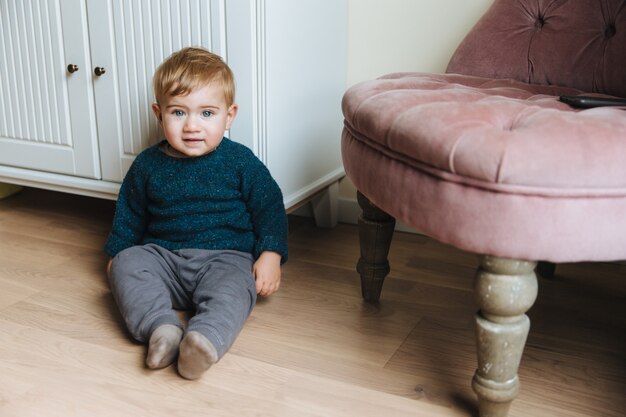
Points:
(539, 22)
(609, 32)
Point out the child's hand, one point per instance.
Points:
(266, 271)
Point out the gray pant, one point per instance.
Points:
(148, 282)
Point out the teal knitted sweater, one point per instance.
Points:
(226, 199)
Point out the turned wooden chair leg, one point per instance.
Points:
(505, 290)
(375, 233)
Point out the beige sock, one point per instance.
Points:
(197, 355)
(163, 346)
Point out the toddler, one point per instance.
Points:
(199, 222)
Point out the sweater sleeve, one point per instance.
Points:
(131, 217)
(264, 200)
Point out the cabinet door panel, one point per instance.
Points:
(132, 38)
(46, 112)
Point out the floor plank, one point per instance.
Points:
(314, 349)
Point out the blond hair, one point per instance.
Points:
(191, 68)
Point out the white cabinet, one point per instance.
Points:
(47, 117)
(77, 130)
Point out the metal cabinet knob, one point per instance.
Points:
(71, 68)
(99, 71)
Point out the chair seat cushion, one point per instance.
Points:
(501, 145)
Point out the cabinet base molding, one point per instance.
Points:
(11, 177)
(59, 182)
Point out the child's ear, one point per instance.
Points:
(157, 112)
(231, 114)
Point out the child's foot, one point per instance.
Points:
(163, 346)
(197, 355)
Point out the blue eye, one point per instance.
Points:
(178, 113)
(207, 113)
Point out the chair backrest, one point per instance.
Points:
(573, 43)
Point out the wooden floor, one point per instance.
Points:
(312, 349)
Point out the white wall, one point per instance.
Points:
(406, 35)
(387, 36)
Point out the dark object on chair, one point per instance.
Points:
(487, 159)
(588, 102)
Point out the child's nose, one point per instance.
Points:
(191, 123)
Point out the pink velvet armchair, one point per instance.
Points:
(486, 158)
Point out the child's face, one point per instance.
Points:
(194, 124)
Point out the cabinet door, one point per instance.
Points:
(46, 112)
(129, 39)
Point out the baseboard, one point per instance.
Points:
(349, 212)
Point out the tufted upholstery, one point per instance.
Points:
(486, 158)
(493, 159)
(502, 147)
(578, 43)
(440, 123)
